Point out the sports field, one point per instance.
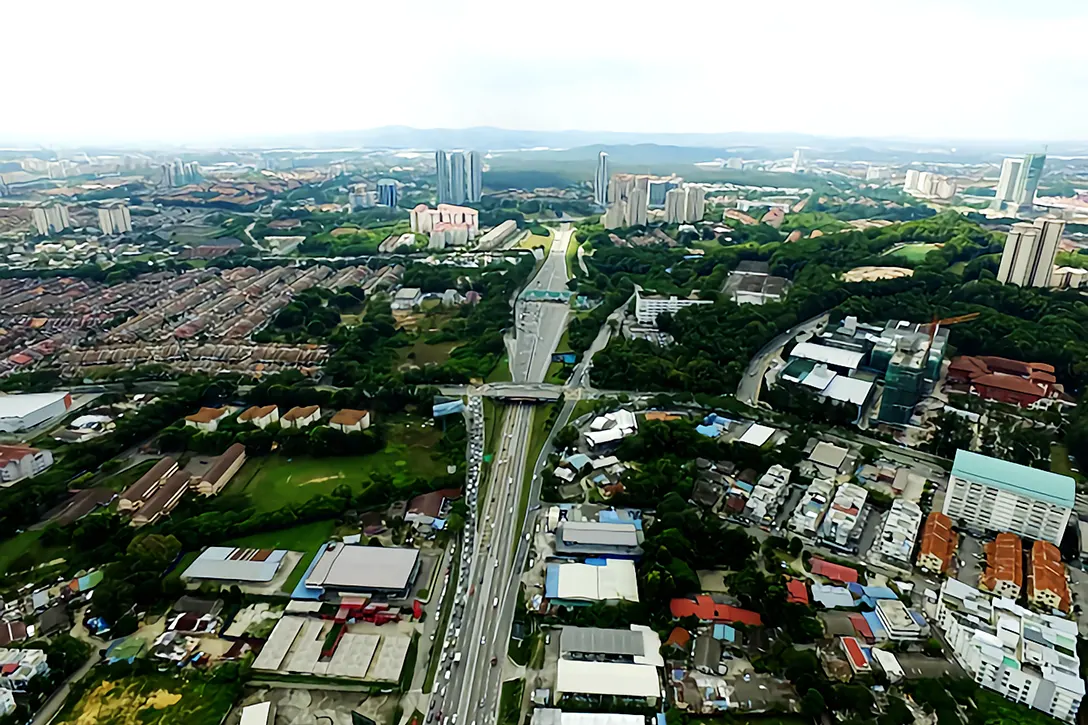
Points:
(272, 482)
(914, 252)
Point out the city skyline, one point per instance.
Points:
(590, 80)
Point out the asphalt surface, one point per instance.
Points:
(474, 660)
(750, 384)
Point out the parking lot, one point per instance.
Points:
(970, 560)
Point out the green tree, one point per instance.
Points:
(813, 705)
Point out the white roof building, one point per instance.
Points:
(842, 520)
(757, 435)
(894, 545)
(552, 716)
(26, 410)
(832, 356)
(809, 512)
(769, 493)
(618, 679)
(615, 581)
(1027, 657)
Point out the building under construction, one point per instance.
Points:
(909, 356)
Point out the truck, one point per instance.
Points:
(457, 658)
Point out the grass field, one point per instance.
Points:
(501, 372)
(572, 257)
(421, 353)
(272, 482)
(150, 699)
(510, 702)
(534, 240)
(306, 537)
(24, 547)
(913, 252)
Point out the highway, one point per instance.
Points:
(468, 686)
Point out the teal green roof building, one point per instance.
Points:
(1052, 488)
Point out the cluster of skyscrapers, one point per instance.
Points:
(460, 176)
(1030, 249)
(927, 185)
(180, 173)
(1019, 181)
(50, 219)
(114, 219)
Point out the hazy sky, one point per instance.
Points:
(194, 71)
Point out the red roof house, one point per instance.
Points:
(707, 610)
(796, 592)
(834, 572)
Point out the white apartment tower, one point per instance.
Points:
(675, 200)
(114, 219)
(1006, 184)
(694, 203)
(1030, 249)
(51, 219)
(638, 199)
(994, 495)
(600, 180)
(475, 176)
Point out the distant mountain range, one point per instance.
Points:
(709, 145)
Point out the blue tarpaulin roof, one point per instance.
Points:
(725, 633)
(710, 431)
(551, 581)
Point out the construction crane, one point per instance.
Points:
(950, 321)
(936, 325)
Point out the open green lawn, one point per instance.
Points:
(501, 372)
(305, 537)
(534, 240)
(914, 252)
(25, 550)
(150, 699)
(421, 353)
(572, 257)
(273, 481)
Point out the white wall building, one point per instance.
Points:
(1026, 657)
(1028, 257)
(445, 235)
(114, 219)
(809, 512)
(496, 236)
(638, 200)
(648, 308)
(424, 219)
(22, 411)
(843, 522)
(895, 543)
(7, 702)
(474, 176)
(995, 495)
(769, 493)
(50, 219)
(19, 462)
(19, 666)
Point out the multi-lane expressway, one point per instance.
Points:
(474, 655)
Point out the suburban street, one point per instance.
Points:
(752, 382)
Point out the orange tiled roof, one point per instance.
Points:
(1004, 561)
(938, 539)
